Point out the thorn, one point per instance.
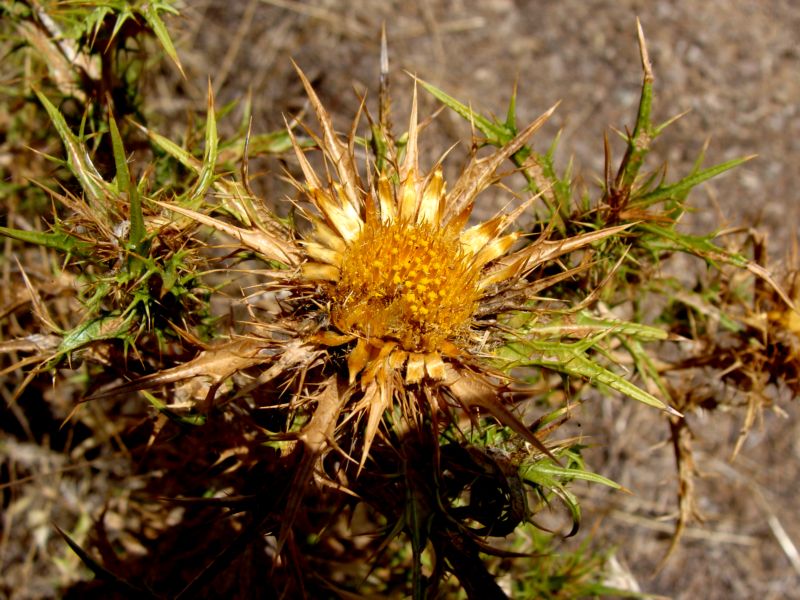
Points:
(384, 54)
(384, 102)
(245, 158)
(646, 65)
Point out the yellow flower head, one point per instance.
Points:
(399, 283)
(402, 271)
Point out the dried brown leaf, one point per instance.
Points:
(479, 173)
(265, 243)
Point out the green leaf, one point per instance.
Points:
(570, 359)
(276, 142)
(126, 186)
(206, 177)
(102, 328)
(81, 165)
(150, 12)
(497, 134)
(549, 468)
(511, 114)
(643, 132)
(539, 170)
(380, 147)
(62, 242)
(550, 482)
(682, 187)
(124, 15)
(584, 324)
(701, 246)
(174, 150)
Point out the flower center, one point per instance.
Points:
(412, 283)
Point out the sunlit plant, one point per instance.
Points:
(396, 367)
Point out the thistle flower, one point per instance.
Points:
(403, 274)
(403, 295)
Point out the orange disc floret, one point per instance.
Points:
(409, 282)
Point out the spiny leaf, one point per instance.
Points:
(218, 363)
(548, 467)
(80, 163)
(60, 241)
(276, 142)
(124, 15)
(645, 366)
(682, 187)
(511, 114)
(553, 484)
(497, 134)
(126, 186)
(150, 11)
(585, 324)
(474, 391)
(538, 170)
(174, 150)
(270, 246)
(643, 132)
(543, 250)
(238, 202)
(193, 420)
(478, 174)
(701, 246)
(570, 359)
(206, 177)
(102, 328)
(61, 69)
